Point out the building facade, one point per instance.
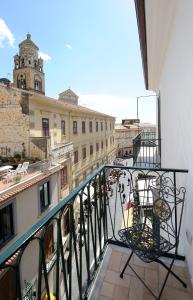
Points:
(124, 135)
(126, 132)
(21, 206)
(166, 49)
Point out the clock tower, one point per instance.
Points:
(28, 67)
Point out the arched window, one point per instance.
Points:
(22, 62)
(21, 81)
(37, 83)
(17, 64)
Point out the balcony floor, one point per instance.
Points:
(109, 285)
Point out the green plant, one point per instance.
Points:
(17, 155)
(17, 179)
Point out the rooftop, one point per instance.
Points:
(9, 186)
(126, 127)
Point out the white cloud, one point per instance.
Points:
(112, 105)
(119, 107)
(68, 46)
(44, 56)
(5, 34)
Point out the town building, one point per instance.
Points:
(127, 131)
(124, 135)
(24, 203)
(41, 127)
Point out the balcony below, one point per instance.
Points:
(146, 150)
(109, 285)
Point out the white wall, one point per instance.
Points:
(27, 207)
(176, 87)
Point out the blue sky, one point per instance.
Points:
(90, 46)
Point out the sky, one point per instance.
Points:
(89, 46)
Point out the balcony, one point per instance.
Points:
(39, 147)
(88, 253)
(146, 150)
(61, 151)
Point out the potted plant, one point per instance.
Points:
(17, 157)
(17, 178)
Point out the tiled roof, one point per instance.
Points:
(26, 184)
(60, 103)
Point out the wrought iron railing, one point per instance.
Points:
(146, 150)
(89, 218)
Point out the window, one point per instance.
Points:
(83, 127)
(75, 157)
(63, 174)
(91, 149)
(21, 82)
(97, 126)
(76, 182)
(83, 153)
(110, 126)
(106, 143)
(63, 127)
(44, 192)
(97, 147)
(106, 125)
(90, 126)
(101, 126)
(75, 127)
(37, 83)
(45, 127)
(102, 145)
(6, 223)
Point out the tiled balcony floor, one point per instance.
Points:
(109, 285)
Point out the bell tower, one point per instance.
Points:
(28, 68)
